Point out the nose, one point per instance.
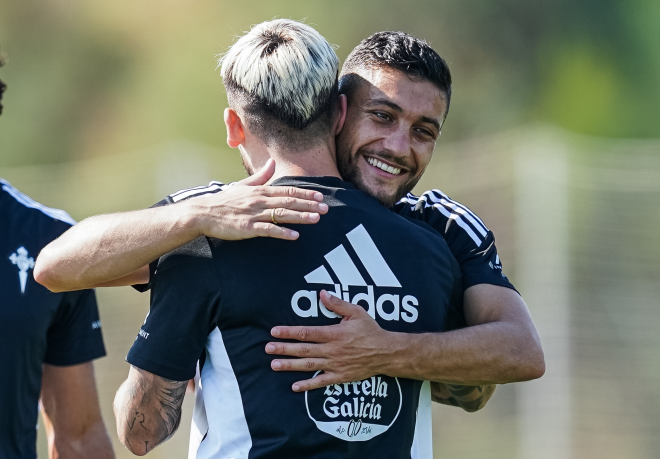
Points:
(397, 142)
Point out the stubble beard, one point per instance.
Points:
(350, 172)
(246, 165)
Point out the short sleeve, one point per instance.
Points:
(468, 238)
(152, 266)
(185, 299)
(181, 195)
(74, 335)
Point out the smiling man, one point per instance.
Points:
(398, 91)
(217, 300)
(395, 121)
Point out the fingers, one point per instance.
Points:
(282, 215)
(311, 334)
(291, 192)
(297, 364)
(262, 176)
(294, 349)
(297, 204)
(339, 306)
(274, 231)
(322, 380)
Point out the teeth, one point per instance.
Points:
(383, 166)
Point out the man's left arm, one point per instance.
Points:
(469, 398)
(71, 413)
(500, 345)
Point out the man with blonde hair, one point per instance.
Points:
(216, 301)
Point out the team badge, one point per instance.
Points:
(24, 263)
(356, 411)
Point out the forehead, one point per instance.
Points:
(415, 96)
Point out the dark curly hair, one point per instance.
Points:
(397, 50)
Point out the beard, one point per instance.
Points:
(349, 169)
(246, 165)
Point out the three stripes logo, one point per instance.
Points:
(306, 303)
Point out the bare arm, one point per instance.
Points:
(71, 413)
(500, 345)
(114, 249)
(148, 410)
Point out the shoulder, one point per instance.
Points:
(27, 204)
(29, 222)
(448, 217)
(197, 251)
(211, 188)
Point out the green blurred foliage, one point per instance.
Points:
(88, 78)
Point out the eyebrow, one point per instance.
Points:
(432, 121)
(389, 103)
(398, 109)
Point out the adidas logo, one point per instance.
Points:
(306, 303)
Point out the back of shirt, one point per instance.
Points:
(36, 326)
(230, 295)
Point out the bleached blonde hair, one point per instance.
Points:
(283, 69)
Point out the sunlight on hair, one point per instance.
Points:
(285, 63)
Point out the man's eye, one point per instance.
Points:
(382, 116)
(425, 133)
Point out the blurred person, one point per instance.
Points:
(499, 345)
(48, 342)
(219, 300)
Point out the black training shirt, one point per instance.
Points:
(220, 299)
(36, 326)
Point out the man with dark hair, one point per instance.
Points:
(48, 342)
(217, 301)
(392, 123)
(386, 55)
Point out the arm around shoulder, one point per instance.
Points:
(516, 346)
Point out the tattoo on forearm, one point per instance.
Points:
(137, 417)
(170, 397)
(470, 398)
(154, 414)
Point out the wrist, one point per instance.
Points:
(398, 361)
(192, 218)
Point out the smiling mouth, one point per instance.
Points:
(382, 166)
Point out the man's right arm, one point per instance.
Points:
(114, 249)
(184, 309)
(148, 410)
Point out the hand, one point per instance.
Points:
(243, 211)
(352, 350)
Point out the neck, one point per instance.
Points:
(320, 160)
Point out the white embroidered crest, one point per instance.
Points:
(24, 263)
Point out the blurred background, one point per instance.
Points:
(553, 139)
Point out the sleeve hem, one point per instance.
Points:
(500, 283)
(159, 369)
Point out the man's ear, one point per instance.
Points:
(235, 134)
(341, 118)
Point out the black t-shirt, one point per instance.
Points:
(220, 299)
(468, 238)
(36, 326)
